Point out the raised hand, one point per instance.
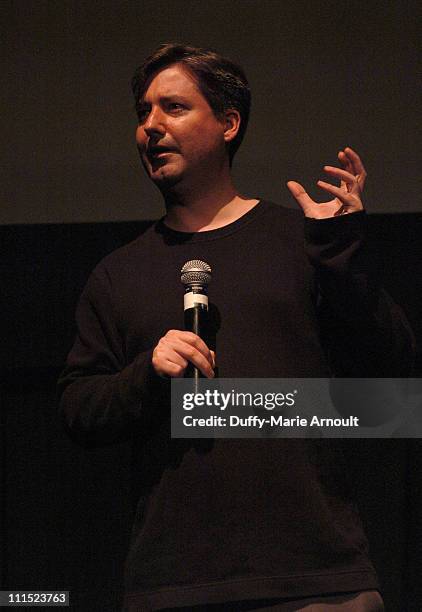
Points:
(347, 196)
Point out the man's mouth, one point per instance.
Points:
(158, 152)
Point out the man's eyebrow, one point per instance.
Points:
(169, 98)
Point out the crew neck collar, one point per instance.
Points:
(225, 230)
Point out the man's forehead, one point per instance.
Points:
(171, 80)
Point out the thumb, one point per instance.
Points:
(301, 197)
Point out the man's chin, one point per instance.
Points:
(164, 178)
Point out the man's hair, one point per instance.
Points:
(222, 83)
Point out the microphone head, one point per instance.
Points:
(196, 273)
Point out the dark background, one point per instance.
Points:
(323, 75)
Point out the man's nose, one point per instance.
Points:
(154, 123)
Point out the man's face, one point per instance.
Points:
(178, 135)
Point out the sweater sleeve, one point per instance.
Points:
(102, 399)
(364, 332)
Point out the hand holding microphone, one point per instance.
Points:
(177, 349)
(184, 353)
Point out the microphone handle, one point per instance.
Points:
(196, 322)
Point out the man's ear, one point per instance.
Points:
(231, 124)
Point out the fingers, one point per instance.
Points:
(352, 178)
(350, 200)
(347, 178)
(177, 348)
(347, 197)
(353, 159)
(302, 198)
(352, 163)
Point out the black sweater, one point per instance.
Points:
(223, 520)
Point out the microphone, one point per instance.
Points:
(195, 276)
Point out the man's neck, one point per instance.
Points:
(203, 209)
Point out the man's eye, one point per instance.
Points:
(175, 107)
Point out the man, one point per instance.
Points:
(230, 524)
